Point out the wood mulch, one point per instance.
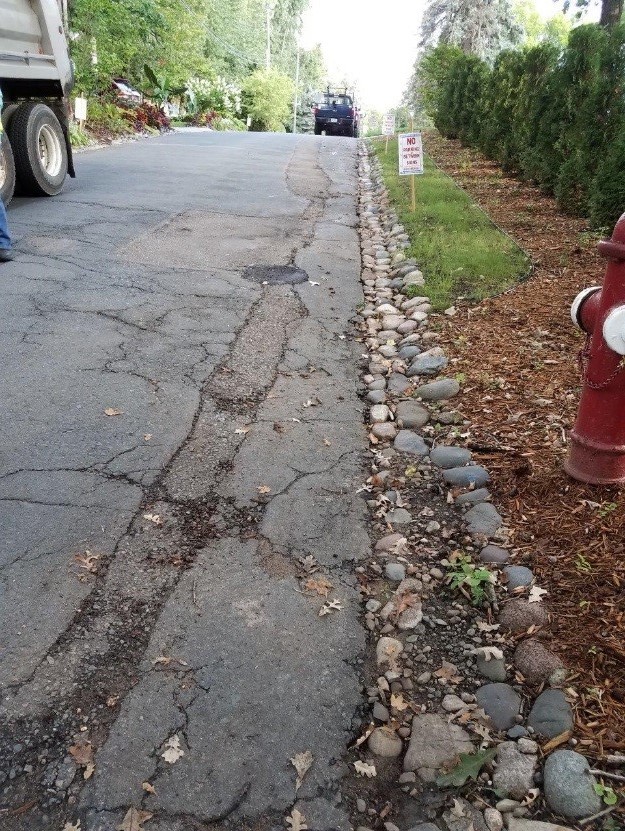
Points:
(518, 353)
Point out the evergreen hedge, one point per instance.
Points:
(555, 116)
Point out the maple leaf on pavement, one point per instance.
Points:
(296, 821)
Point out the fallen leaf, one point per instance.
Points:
(164, 660)
(365, 769)
(89, 770)
(147, 437)
(262, 489)
(112, 411)
(88, 561)
(449, 672)
(362, 739)
(155, 518)
(70, 826)
(320, 585)
(469, 767)
(134, 819)
(398, 702)
(172, 751)
(457, 809)
(241, 431)
(329, 607)
(301, 762)
(327, 442)
(536, 594)
(312, 402)
(313, 283)
(296, 821)
(148, 788)
(309, 564)
(112, 700)
(81, 753)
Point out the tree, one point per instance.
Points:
(611, 10)
(479, 27)
(536, 30)
(268, 97)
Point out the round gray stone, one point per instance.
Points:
(407, 353)
(494, 670)
(551, 714)
(427, 365)
(569, 787)
(400, 516)
(514, 775)
(518, 576)
(408, 442)
(483, 520)
(494, 554)
(398, 383)
(378, 384)
(412, 414)
(536, 663)
(518, 615)
(376, 397)
(395, 572)
(464, 477)
(448, 456)
(501, 703)
(438, 390)
(516, 732)
(385, 743)
(473, 497)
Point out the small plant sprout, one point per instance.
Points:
(470, 579)
(606, 793)
(582, 564)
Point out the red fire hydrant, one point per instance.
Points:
(597, 442)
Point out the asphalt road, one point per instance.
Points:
(151, 560)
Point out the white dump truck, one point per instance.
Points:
(36, 77)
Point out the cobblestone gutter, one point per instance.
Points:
(471, 725)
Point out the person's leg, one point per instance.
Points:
(5, 237)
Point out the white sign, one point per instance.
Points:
(388, 125)
(410, 154)
(80, 109)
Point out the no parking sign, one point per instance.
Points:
(410, 154)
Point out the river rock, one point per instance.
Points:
(385, 743)
(398, 383)
(414, 278)
(493, 819)
(400, 516)
(519, 614)
(536, 663)
(448, 456)
(518, 576)
(412, 414)
(464, 477)
(494, 670)
(514, 775)
(467, 818)
(438, 390)
(483, 520)
(384, 431)
(376, 397)
(435, 743)
(551, 714)
(392, 321)
(427, 364)
(395, 572)
(408, 442)
(534, 825)
(407, 353)
(388, 651)
(501, 703)
(569, 787)
(379, 413)
(494, 554)
(473, 497)
(391, 542)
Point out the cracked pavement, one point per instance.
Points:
(185, 616)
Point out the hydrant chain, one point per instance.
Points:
(582, 359)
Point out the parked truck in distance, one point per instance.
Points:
(336, 114)
(36, 77)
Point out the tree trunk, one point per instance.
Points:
(611, 11)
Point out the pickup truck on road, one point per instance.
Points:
(336, 115)
(36, 76)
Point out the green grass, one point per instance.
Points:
(460, 251)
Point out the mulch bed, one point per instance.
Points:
(518, 353)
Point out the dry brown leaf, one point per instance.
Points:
(88, 561)
(89, 770)
(148, 788)
(71, 826)
(449, 672)
(398, 702)
(327, 442)
(301, 762)
(489, 653)
(536, 594)
(147, 437)
(320, 585)
(308, 564)
(241, 431)
(155, 518)
(134, 819)
(296, 821)
(263, 489)
(172, 751)
(365, 769)
(112, 700)
(362, 739)
(112, 411)
(82, 753)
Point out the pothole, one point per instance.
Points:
(274, 275)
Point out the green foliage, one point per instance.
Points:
(606, 793)
(465, 573)
(77, 136)
(555, 115)
(469, 767)
(461, 251)
(268, 99)
(107, 116)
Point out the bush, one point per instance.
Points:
(554, 115)
(148, 116)
(104, 115)
(268, 97)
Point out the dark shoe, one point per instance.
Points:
(5, 255)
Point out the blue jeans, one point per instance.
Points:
(5, 237)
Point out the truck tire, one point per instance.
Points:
(39, 149)
(7, 114)
(7, 170)
(317, 130)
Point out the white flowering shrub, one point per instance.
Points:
(214, 95)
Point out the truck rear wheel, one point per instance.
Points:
(39, 149)
(7, 170)
(317, 130)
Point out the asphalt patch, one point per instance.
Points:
(274, 275)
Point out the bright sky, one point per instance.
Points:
(373, 45)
